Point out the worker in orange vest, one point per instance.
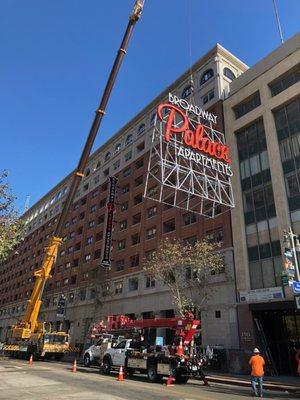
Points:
(257, 364)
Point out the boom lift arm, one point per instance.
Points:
(29, 324)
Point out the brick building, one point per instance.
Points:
(139, 226)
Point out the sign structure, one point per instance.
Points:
(106, 262)
(261, 295)
(189, 163)
(289, 264)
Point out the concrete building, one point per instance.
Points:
(262, 125)
(139, 226)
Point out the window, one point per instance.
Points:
(207, 75)
(151, 212)
(96, 179)
(93, 208)
(169, 226)
(215, 236)
(107, 156)
(139, 181)
(139, 163)
(123, 225)
(141, 129)
(118, 147)
(106, 172)
(134, 261)
(101, 219)
(152, 192)
(136, 219)
(91, 224)
(120, 265)
(140, 147)
(87, 172)
(135, 239)
(97, 254)
(133, 284)
(124, 206)
(70, 249)
(186, 92)
(72, 234)
(121, 244)
(99, 236)
(82, 294)
(285, 81)
(138, 199)
(152, 119)
(116, 165)
(95, 194)
(129, 139)
(85, 187)
(75, 262)
(247, 105)
(89, 240)
(118, 287)
(228, 73)
(74, 220)
(128, 156)
(102, 203)
(189, 218)
(151, 233)
(149, 282)
(218, 314)
(125, 189)
(79, 230)
(126, 172)
(208, 96)
(87, 258)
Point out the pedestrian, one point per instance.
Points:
(257, 364)
(298, 361)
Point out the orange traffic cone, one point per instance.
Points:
(30, 361)
(120, 375)
(170, 380)
(74, 368)
(180, 351)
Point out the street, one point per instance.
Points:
(55, 381)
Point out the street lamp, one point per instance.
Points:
(291, 241)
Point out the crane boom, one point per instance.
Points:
(29, 324)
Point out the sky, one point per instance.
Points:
(56, 56)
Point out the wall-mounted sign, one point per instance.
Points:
(295, 287)
(289, 264)
(61, 306)
(189, 161)
(106, 262)
(261, 295)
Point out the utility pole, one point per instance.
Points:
(291, 241)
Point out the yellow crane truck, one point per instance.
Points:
(31, 337)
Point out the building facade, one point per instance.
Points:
(139, 226)
(262, 124)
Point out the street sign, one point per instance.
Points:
(284, 280)
(296, 287)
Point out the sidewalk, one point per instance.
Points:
(289, 384)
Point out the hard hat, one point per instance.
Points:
(256, 350)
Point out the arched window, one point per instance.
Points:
(141, 129)
(206, 76)
(152, 120)
(118, 147)
(129, 139)
(186, 92)
(229, 74)
(107, 155)
(87, 172)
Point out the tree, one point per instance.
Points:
(11, 227)
(186, 269)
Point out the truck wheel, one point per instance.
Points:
(106, 367)
(153, 375)
(87, 360)
(181, 379)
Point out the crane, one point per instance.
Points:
(30, 335)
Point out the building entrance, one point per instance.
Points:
(282, 333)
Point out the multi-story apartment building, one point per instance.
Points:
(139, 226)
(262, 124)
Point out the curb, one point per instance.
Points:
(267, 386)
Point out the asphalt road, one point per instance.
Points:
(55, 381)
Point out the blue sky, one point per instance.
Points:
(56, 56)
